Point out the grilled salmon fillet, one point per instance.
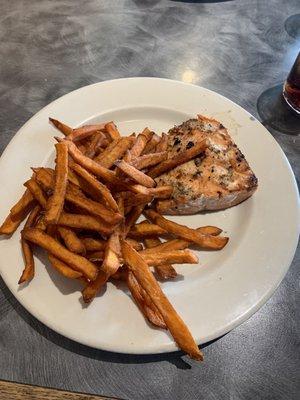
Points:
(217, 178)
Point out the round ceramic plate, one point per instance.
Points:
(227, 286)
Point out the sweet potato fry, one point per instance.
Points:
(84, 132)
(87, 222)
(176, 326)
(164, 271)
(73, 178)
(63, 128)
(146, 230)
(163, 144)
(102, 155)
(135, 174)
(151, 145)
(36, 192)
(107, 158)
(52, 246)
(45, 178)
(182, 231)
(144, 302)
(140, 143)
(135, 244)
(112, 130)
(71, 240)
(97, 140)
(99, 190)
(93, 287)
(56, 201)
(28, 271)
(92, 244)
(132, 217)
(96, 256)
(181, 158)
(161, 192)
(171, 256)
(136, 199)
(18, 213)
(63, 268)
(76, 197)
(149, 160)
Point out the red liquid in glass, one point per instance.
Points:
(291, 90)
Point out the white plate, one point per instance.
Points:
(227, 287)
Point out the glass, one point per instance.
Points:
(291, 89)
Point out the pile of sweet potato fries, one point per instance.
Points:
(84, 214)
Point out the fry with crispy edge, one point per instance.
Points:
(146, 230)
(135, 174)
(170, 256)
(63, 268)
(102, 172)
(176, 326)
(149, 160)
(82, 221)
(71, 240)
(107, 159)
(141, 142)
(144, 302)
(151, 145)
(63, 128)
(56, 201)
(85, 132)
(28, 271)
(163, 144)
(112, 130)
(52, 246)
(17, 213)
(98, 188)
(110, 265)
(183, 232)
(178, 159)
(163, 271)
(36, 192)
(97, 140)
(132, 217)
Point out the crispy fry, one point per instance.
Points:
(107, 158)
(18, 213)
(45, 178)
(163, 144)
(112, 130)
(101, 156)
(161, 192)
(144, 302)
(96, 256)
(164, 271)
(181, 158)
(97, 140)
(151, 145)
(36, 192)
(28, 271)
(23, 206)
(73, 178)
(132, 217)
(77, 262)
(87, 222)
(135, 244)
(63, 268)
(84, 132)
(179, 244)
(146, 230)
(99, 190)
(92, 244)
(176, 326)
(182, 231)
(136, 199)
(71, 240)
(140, 143)
(149, 160)
(63, 128)
(92, 288)
(171, 256)
(135, 174)
(56, 201)
(76, 197)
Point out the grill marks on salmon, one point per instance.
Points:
(217, 178)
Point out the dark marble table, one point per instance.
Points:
(238, 48)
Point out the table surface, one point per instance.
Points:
(238, 48)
